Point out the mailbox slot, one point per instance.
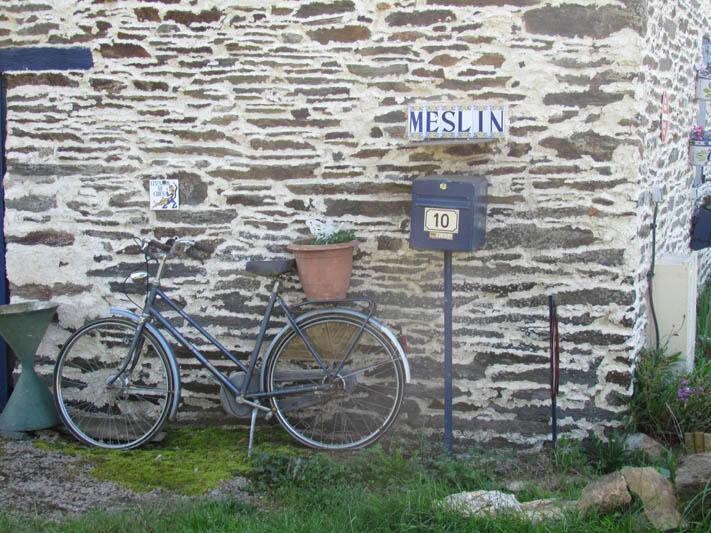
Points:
(442, 201)
(448, 213)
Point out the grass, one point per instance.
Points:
(189, 461)
(377, 489)
(703, 325)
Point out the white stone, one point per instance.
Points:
(482, 503)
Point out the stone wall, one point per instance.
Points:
(272, 112)
(672, 55)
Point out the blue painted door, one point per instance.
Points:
(25, 59)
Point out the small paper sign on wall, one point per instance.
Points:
(165, 195)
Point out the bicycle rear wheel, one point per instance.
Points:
(355, 407)
(99, 411)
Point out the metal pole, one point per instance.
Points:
(448, 350)
(554, 366)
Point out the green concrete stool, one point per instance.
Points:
(31, 405)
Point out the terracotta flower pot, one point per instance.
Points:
(325, 269)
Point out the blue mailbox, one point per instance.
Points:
(448, 213)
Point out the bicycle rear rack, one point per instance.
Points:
(371, 303)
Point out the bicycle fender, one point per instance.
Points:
(168, 350)
(317, 314)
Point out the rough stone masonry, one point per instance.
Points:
(271, 112)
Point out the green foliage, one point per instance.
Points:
(655, 388)
(334, 238)
(703, 325)
(698, 510)
(609, 456)
(692, 405)
(414, 509)
(570, 456)
(463, 475)
(666, 464)
(283, 473)
(666, 404)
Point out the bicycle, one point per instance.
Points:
(334, 378)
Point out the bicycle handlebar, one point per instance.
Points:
(169, 247)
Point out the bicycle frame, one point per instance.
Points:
(251, 398)
(334, 377)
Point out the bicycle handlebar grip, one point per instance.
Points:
(198, 251)
(161, 246)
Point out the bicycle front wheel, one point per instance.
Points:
(102, 407)
(351, 408)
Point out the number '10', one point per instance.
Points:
(441, 220)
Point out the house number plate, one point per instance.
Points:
(441, 223)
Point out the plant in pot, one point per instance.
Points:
(700, 146)
(703, 83)
(694, 410)
(325, 262)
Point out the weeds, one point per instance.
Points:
(664, 403)
(570, 456)
(703, 325)
(697, 512)
(609, 456)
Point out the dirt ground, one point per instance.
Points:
(48, 484)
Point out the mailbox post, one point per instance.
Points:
(448, 213)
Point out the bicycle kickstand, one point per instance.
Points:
(251, 430)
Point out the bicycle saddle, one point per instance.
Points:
(271, 268)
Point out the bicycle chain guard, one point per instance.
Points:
(230, 403)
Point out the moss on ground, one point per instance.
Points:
(189, 460)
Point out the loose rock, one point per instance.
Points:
(549, 509)
(657, 495)
(607, 493)
(645, 443)
(692, 478)
(482, 503)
